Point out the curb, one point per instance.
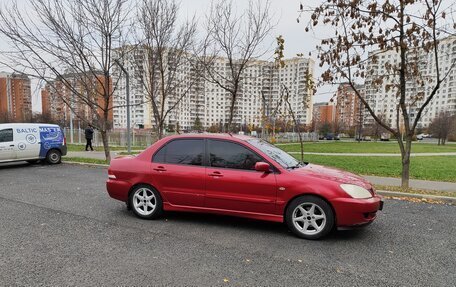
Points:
(85, 163)
(446, 199)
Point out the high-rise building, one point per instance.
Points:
(15, 97)
(260, 91)
(324, 112)
(381, 85)
(76, 97)
(349, 108)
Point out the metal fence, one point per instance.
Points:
(144, 138)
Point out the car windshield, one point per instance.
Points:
(278, 155)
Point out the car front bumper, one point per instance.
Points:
(356, 212)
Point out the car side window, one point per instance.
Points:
(182, 151)
(231, 155)
(6, 135)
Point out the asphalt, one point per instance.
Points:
(58, 226)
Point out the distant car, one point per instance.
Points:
(32, 142)
(241, 176)
(422, 136)
(367, 138)
(329, 137)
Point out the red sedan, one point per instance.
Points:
(241, 176)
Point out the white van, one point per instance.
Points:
(32, 142)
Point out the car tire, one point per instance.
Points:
(54, 157)
(309, 217)
(146, 202)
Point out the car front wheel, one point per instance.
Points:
(145, 202)
(309, 217)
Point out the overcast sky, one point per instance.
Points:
(286, 13)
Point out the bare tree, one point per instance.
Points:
(238, 38)
(365, 29)
(167, 45)
(69, 43)
(442, 126)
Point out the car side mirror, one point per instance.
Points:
(262, 166)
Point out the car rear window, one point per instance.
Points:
(182, 151)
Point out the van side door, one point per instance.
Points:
(28, 143)
(7, 145)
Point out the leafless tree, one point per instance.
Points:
(239, 38)
(412, 29)
(167, 45)
(442, 126)
(68, 44)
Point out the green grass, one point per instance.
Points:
(366, 147)
(438, 168)
(84, 160)
(80, 147)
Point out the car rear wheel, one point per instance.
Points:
(54, 156)
(146, 202)
(309, 217)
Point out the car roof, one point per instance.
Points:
(212, 136)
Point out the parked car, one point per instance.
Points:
(241, 176)
(32, 142)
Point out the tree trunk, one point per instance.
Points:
(302, 146)
(104, 138)
(406, 163)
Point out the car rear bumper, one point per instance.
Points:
(356, 212)
(63, 150)
(118, 189)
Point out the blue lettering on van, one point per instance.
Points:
(51, 137)
(27, 130)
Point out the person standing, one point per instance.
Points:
(89, 136)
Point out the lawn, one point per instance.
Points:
(366, 147)
(438, 168)
(80, 147)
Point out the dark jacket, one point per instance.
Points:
(88, 133)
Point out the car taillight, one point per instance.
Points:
(64, 140)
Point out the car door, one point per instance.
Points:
(178, 172)
(7, 145)
(232, 183)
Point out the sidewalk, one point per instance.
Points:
(414, 183)
(377, 154)
(387, 181)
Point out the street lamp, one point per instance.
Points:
(128, 104)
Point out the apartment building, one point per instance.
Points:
(75, 96)
(349, 108)
(381, 92)
(324, 112)
(15, 97)
(195, 96)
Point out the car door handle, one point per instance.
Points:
(216, 174)
(160, 168)
(11, 145)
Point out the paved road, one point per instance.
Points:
(59, 227)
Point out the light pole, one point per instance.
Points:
(128, 104)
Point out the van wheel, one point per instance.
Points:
(54, 156)
(32, 161)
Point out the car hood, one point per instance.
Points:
(332, 174)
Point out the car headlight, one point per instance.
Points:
(356, 191)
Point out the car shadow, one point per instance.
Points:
(252, 225)
(17, 164)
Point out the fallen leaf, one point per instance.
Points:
(226, 280)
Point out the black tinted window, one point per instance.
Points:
(160, 155)
(6, 135)
(188, 151)
(231, 155)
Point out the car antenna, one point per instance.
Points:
(230, 134)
